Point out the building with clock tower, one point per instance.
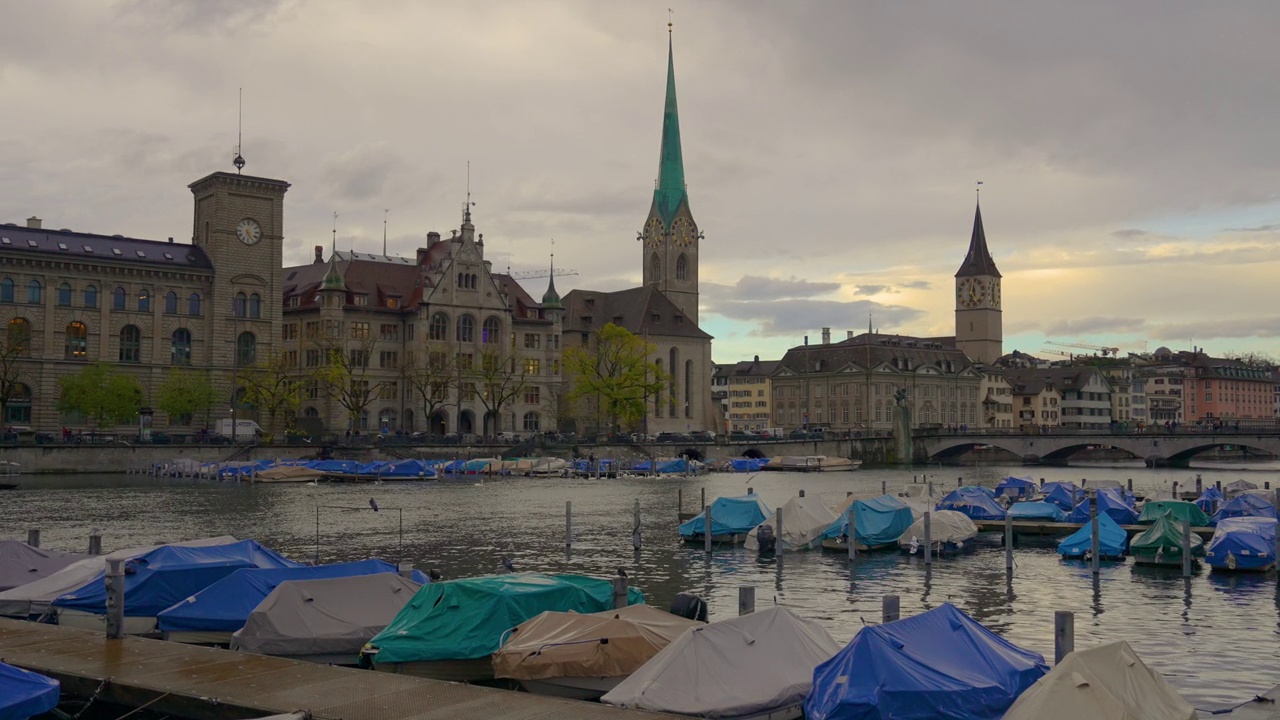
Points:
(979, 329)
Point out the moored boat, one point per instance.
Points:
(949, 532)
(1245, 544)
(731, 519)
(803, 521)
(1112, 541)
(811, 463)
(880, 522)
(1161, 544)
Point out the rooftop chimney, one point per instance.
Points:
(319, 253)
(826, 336)
(849, 335)
(35, 222)
(432, 238)
(422, 253)
(757, 359)
(806, 339)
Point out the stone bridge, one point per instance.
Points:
(1157, 449)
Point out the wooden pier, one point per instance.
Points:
(211, 684)
(1052, 529)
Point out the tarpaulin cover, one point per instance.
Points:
(1046, 511)
(880, 521)
(157, 580)
(1065, 495)
(1164, 538)
(328, 616)
(1243, 543)
(741, 666)
(467, 619)
(335, 467)
(24, 694)
(748, 464)
(1016, 487)
(225, 605)
(978, 503)
(945, 526)
(1107, 682)
(729, 516)
(666, 466)
(34, 598)
(1110, 502)
(1207, 498)
(939, 664)
(1245, 505)
(605, 644)
(1112, 540)
(21, 564)
(1179, 509)
(1233, 489)
(803, 521)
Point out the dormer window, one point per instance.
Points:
(87, 248)
(393, 301)
(117, 252)
(32, 243)
(361, 299)
(591, 302)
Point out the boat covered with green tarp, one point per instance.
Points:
(1180, 509)
(1161, 544)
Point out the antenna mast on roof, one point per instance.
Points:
(335, 233)
(384, 232)
(239, 161)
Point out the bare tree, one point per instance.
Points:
(15, 345)
(498, 381)
(431, 379)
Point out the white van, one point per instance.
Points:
(244, 429)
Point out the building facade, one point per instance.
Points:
(749, 394)
(997, 400)
(1036, 402)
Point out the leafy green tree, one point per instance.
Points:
(345, 378)
(272, 386)
(186, 394)
(100, 394)
(613, 374)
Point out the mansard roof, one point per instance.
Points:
(90, 247)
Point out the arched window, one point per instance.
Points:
(492, 330)
(466, 329)
(688, 389)
(655, 269)
(682, 267)
(118, 299)
(6, 290)
(91, 296)
(462, 280)
(532, 421)
(77, 342)
(171, 303)
(33, 291)
(439, 327)
(387, 419)
(246, 349)
(180, 353)
(18, 410)
(241, 305)
(255, 306)
(311, 413)
(19, 333)
(144, 301)
(475, 281)
(64, 294)
(193, 304)
(130, 344)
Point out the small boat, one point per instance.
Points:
(763, 668)
(1239, 487)
(450, 629)
(585, 656)
(976, 503)
(1112, 541)
(731, 519)
(811, 463)
(803, 521)
(1065, 495)
(21, 564)
(880, 522)
(287, 474)
(1245, 544)
(1039, 510)
(949, 532)
(8, 486)
(1179, 509)
(1110, 501)
(1161, 544)
(1245, 505)
(1018, 488)
(24, 694)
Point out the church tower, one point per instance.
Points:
(979, 329)
(670, 236)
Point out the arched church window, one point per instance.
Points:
(682, 267)
(655, 268)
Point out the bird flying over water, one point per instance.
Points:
(373, 504)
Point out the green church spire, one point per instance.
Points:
(670, 192)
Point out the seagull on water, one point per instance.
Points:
(373, 504)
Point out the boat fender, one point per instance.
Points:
(915, 545)
(688, 605)
(1231, 561)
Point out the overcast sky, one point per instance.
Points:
(1128, 150)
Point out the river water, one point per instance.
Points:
(1214, 637)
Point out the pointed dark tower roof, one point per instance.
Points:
(551, 298)
(978, 261)
(670, 193)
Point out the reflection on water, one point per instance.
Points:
(1214, 636)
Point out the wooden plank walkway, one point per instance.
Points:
(212, 684)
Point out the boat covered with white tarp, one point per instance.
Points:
(804, 519)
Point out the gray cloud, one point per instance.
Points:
(1083, 327)
(1265, 327)
(1257, 228)
(1130, 233)
(871, 289)
(915, 285)
(794, 317)
(752, 288)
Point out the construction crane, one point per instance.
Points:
(535, 274)
(1060, 353)
(1104, 351)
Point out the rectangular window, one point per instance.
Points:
(359, 331)
(289, 331)
(389, 391)
(362, 299)
(313, 358)
(313, 329)
(359, 358)
(532, 341)
(532, 366)
(389, 332)
(533, 395)
(389, 359)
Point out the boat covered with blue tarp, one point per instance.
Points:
(729, 516)
(1247, 505)
(1038, 510)
(1112, 540)
(1065, 495)
(939, 664)
(157, 580)
(978, 503)
(1110, 501)
(1015, 487)
(1243, 543)
(224, 606)
(745, 464)
(1210, 499)
(880, 522)
(24, 694)
(665, 466)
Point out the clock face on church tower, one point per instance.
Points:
(653, 233)
(682, 231)
(970, 292)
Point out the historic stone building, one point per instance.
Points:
(416, 334)
(664, 310)
(72, 298)
(979, 328)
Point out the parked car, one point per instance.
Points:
(673, 437)
(742, 436)
(703, 436)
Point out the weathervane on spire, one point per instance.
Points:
(239, 161)
(977, 190)
(466, 206)
(335, 232)
(670, 17)
(384, 232)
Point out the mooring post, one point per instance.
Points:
(1199, 485)
(751, 491)
(889, 609)
(1175, 490)
(746, 599)
(636, 539)
(928, 538)
(777, 520)
(405, 570)
(1041, 482)
(95, 543)
(884, 487)
(706, 528)
(848, 493)
(1218, 485)
(959, 482)
(704, 497)
(1008, 542)
(1186, 548)
(679, 504)
(33, 537)
(1064, 634)
(1129, 485)
(568, 523)
(930, 488)
(1095, 545)
(114, 580)
(853, 531)
(619, 593)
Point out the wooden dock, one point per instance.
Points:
(211, 684)
(1052, 529)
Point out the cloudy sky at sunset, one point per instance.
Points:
(1128, 150)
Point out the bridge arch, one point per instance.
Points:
(961, 446)
(1062, 455)
(1183, 457)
